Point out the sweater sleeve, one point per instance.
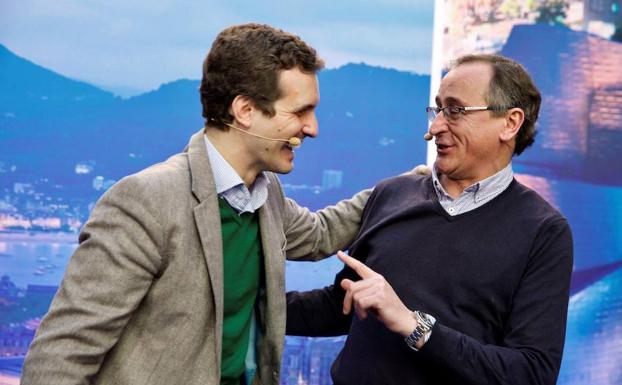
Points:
(318, 313)
(532, 343)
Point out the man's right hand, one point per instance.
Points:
(421, 169)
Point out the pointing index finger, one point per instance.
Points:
(361, 269)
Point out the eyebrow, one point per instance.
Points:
(306, 107)
(449, 101)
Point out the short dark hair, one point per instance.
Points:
(246, 60)
(510, 87)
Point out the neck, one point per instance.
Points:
(454, 185)
(230, 145)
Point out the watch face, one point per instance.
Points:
(425, 319)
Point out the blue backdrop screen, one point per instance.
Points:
(64, 142)
(572, 49)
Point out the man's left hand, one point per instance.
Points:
(373, 293)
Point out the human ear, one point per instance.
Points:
(513, 121)
(242, 110)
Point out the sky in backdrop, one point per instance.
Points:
(134, 46)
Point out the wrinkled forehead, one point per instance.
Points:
(467, 83)
(299, 87)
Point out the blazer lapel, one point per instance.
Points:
(274, 267)
(207, 218)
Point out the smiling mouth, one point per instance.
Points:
(443, 149)
(289, 149)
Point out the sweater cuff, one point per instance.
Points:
(441, 345)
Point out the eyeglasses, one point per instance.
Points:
(453, 113)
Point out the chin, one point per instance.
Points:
(283, 169)
(442, 168)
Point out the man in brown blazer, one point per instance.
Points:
(158, 292)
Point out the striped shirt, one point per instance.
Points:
(231, 187)
(476, 194)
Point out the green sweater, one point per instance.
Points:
(242, 257)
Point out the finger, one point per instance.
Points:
(352, 288)
(369, 293)
(365, 301)
(356, 265)
(366, 304)
(362, 284)
(361, 312)
(347, 300)
(363, 305)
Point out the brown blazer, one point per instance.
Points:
(141, 301)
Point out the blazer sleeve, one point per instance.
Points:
(316, 235)
(318, 313)
(107, 276)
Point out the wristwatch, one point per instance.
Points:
(425, 322)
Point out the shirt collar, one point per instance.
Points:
(492, 185)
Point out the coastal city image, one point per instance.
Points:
(47, 198)
(66, 138)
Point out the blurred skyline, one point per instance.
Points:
(132, 47)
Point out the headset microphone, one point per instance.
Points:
(293, 142)
(428, 136)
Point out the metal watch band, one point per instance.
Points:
(425, 323)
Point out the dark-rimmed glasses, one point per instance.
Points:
(454, 112)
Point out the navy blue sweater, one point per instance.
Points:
(496, 278)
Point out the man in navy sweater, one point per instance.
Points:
(461, 277)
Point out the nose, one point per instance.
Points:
(438, 125)
(310, 126)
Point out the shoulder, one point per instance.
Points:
(531, 203)
(276, 195)
(275, 182)
(398, 194)
(405, 185)
(535, 220)
(154, 186)
(171, 174)
(532, 214)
